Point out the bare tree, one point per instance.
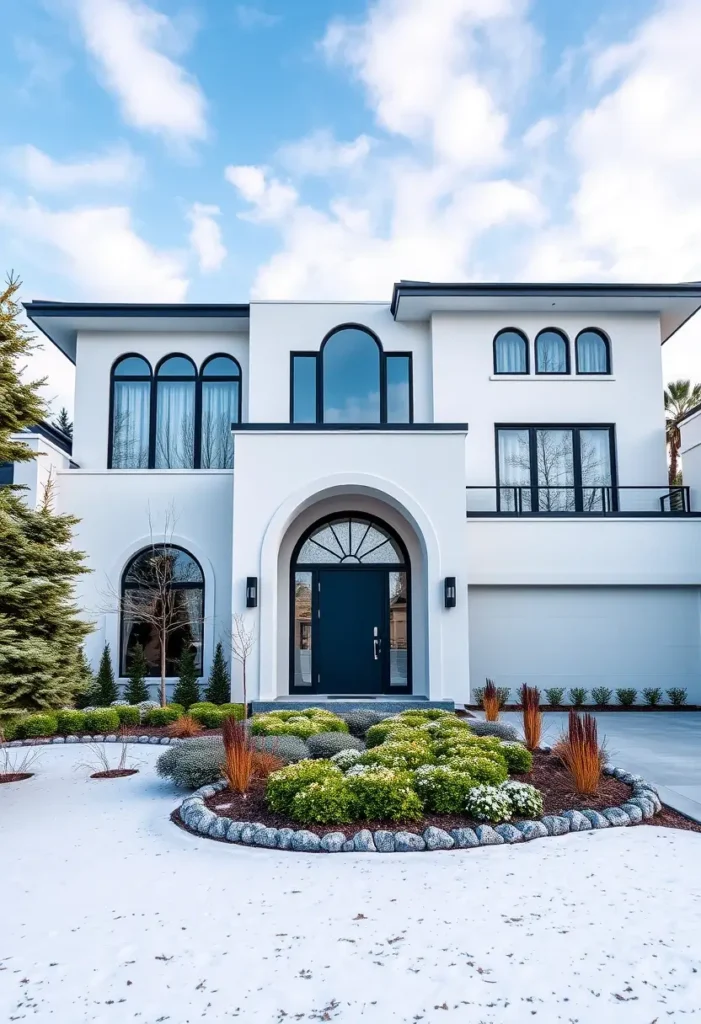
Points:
(243, 640)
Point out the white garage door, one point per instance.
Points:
(586, 636)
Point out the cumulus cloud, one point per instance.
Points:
(320, 154)
(117, 166)
(205, 236)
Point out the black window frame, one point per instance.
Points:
(527, 347)
(568, 361)
(578, 487)
(203, 379)
(134, 378)
(607, 345)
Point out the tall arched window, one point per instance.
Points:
(162, 607)
(221, 406)
(510, 351)
(551, 352)
(175, 413)
(131, 413)
(592, 349)
(351, 377)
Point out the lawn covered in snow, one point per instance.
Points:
(108, 912)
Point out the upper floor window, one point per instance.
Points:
(131, 413)
(351, 380)
(176, 380)
(592, 352)
(221, 406)
(510, 352)
(551, 352)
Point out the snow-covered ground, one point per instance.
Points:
(108, 912)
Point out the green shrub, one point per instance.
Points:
(465, 744)
(652, 695)
(359, 722)
(346, 759)
(162, 716)
(626, 696)
(219, 683)
(503, 694)
(601, 695)
(399, 754)
(211, 716)
(9, 728)
(71, 722)
(502, 730)
(488, 803)
(577, 695)
(554, 695)
(677, 696)
(105, 686)
(289, 749)
(326, 744)
(232, 710)
(526, 801)
(384, 794)
(482, 769)
(128, 715)
(43, 723)
(194, 763)
(377, 734)
(101, 720)
(136, 689)
(283, 785)
(187, 689)
(305, 723)
(325, 802)
(443, 790)
(518, 759)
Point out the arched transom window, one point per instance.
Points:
(350, 541)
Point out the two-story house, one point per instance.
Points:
(401, 498)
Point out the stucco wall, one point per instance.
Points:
(36, 474)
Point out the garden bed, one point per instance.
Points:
(564, 708)
(115, 773)
(15, 776)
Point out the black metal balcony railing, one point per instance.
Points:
(607, 500)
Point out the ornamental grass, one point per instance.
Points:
(580, 752)
(184, 728)
(490, 701)
(238, 766)
(532, 716)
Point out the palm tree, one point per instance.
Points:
(679, 399)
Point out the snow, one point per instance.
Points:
(110, 913)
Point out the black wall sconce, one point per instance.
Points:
(251, 591)
(450, 589)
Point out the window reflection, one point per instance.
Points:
(398, 389)
(303, 629)
(398, 630)
(304, 389)
(351, 369)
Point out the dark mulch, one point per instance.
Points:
(547, 775)
(15, 776)
(115, 773)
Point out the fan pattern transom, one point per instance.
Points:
(351, 541)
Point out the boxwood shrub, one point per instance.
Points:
(283, 785)
(482, 769)
(384, 794)
(326, 744)
(305, 723)
(325, 802)
(129, 714)
(70, 722)
(101, 720)
(235, 710)
(406, 754)
(43, 723)
(163, 716)
(211, 716)
(518, 759)
(488, 803)
(442, 789)
(9, 728)
(359, 722)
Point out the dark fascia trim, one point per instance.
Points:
(53, 434)
(691, 412)
(40, 307)
(331, 428)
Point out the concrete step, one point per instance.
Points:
(393, 705)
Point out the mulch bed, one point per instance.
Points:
(15, 776)
(547, 775)
(115, 773)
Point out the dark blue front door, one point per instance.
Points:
(350, 629)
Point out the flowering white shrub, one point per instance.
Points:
(525, 800)
(488, 803)
(345, 759)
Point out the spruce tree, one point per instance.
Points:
(187, 690)
(136, 690)
(105, 686)
(64, 422)
(87, 696)
(41, 632)
(219, 685)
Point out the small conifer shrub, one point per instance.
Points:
(219, 683)
(136, 689)
(187, 690)
(105, 686)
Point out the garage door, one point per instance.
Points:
(586, 636)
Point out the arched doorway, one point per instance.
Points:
(350, 629)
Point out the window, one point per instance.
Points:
(304, 369)
(510, 352)
(221, 406)
(350, 541)
(7, 474)
(592, 352)
(175, 413)
(555, 469)
(399, 389)
(551, 352)
(163, 584)
(131, 413)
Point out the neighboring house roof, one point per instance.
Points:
(53, 434)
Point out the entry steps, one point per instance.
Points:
(383, 703)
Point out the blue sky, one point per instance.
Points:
(212, 151)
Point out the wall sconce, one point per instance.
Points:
(251, 591)
(450, 590)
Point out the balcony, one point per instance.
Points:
(602, 501)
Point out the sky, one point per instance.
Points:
(212, 151)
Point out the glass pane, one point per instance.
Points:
(220, 408)
(351, 361)
(130, 424)
(592, 353)
(510, 353)
(304, 389)
(176, 366)
(551, 352)
(386, 552)
(303, 629)
(398, 630)
(175, 425)
(555, 471)
(183, 611)
(313, 554)
(221, 366)
(398, 389)
(172, 565)
(595, 455)
(514, 471)
(132, 366)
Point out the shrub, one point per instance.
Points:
(532, 716)
(345, 759)
(265, 762)
(581, 754)
(518, 759)
(41, 724)
(488, 803)
(105, 686)
(136, 689)
(303, 724)
(626, 696)
(234, 710)
(211, 717)
(328, 801)
(284, 785)
(419, 716)
(162, 716)
(502, 730)
(577, 696)
(184, 727)
(9, 728)
(145, 706)
(399, 754)
(601, 695)
(359, 722)
(677, 696)
(326, 744)
(384, 794)
(652, 695)
(194, 763)
(554, 695)
(442, 789)
(127, 714)
(187, 690)
(219, 683)
(102, 720)
(377, 734)
(526, 801)
(478, 695)
(490, 701)
(289, 749)
(482, 769)
(69, 722)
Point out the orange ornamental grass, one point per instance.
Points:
(265, 762)
(238, 764)
(532, 716)
(184, 727)
(490, 702)
(580, 752)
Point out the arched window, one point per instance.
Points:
(351, 377)
(350, 540)
(131, 413)
(593, 355)
(551, 352)
(162, 607)
(175, 413)
(510, 352)
(221, 406)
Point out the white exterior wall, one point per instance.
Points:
(36, 474)
(691, 456)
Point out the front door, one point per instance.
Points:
(350, 627)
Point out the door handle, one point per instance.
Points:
(376, 644)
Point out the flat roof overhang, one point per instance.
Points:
(61, 321)
(675, 303)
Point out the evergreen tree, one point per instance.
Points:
(64, 422)
(87, 696)
(187, 690)
(137, 690)
(219, 684)
(41, 632)
(105, 686)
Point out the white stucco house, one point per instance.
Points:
(402, 498)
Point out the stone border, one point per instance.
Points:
(644, 804)
(45, 741)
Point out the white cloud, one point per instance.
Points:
(129, 40)
(250, 17)
(99, 250)
(320, 153)
(270, 199)
(540, 132)
(116, 166)
(205, 236)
